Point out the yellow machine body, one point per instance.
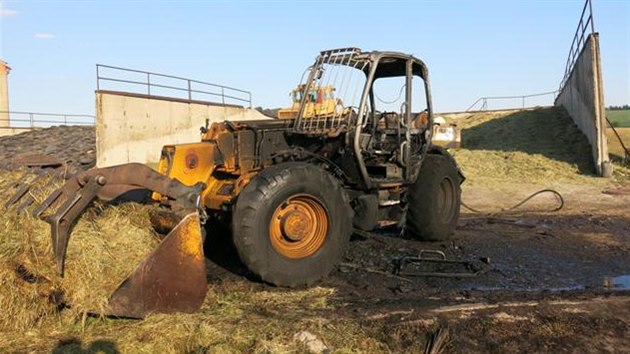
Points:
(219, 161)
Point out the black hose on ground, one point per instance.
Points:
(521, 203)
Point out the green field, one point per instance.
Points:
(619, 118)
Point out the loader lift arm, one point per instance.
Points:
(108, 184)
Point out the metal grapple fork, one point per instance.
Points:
(173, 277)
(29, 188)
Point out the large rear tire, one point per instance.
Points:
(434, 200)
(291, 224)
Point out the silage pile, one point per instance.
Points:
(74, 145)
(534, 146)
(106, 244)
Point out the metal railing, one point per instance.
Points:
(17, 119)
(154, 84)
(523, 99)
(579, 39)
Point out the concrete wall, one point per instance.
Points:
(6, 131)
(4, 94)
(133, 128)
(583, 97)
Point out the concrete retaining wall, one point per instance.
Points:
(583, 97)
(133, 128)
(6, 131)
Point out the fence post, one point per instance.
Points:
(590, 8)
(222, 95)
(189, 91)
(149, 84)
(31, 119)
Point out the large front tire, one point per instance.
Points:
(291, 224)
(434, 200)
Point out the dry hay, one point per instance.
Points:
(235, 318)
(105, 246)
(485, 166)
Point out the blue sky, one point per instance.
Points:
(472, 48)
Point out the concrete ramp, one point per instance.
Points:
(133, 127)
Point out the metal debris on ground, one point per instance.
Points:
(37, 160)
(374, 271)
(462, 269)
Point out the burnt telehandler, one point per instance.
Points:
(291, 189)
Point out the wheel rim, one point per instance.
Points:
(298, 226)
(446, 199)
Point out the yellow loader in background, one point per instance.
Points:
(319, 101)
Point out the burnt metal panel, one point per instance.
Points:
(246, 142)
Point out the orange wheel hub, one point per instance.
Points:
(298, 226)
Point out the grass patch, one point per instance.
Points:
(237, 317)
(619, 118)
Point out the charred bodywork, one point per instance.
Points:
(369, 151)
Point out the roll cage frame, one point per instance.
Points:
(374, 65)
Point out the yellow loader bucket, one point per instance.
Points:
(171, 279)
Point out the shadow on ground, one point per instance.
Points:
(75, 346)
(546, 131)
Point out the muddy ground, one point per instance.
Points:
(547, 288)
(546, 282)
(554, 281)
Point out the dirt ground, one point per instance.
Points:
(548, 288)
(548, 281)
